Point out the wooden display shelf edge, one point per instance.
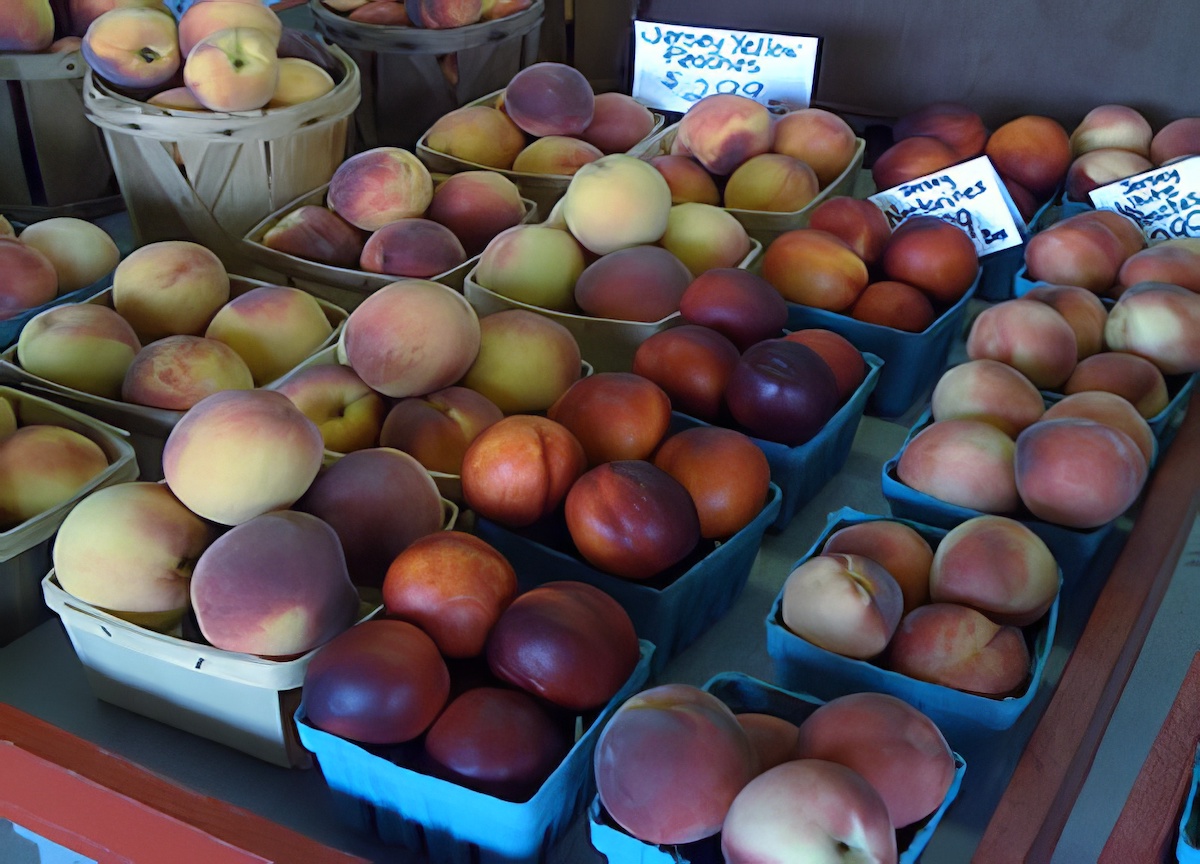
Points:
(1035, 806)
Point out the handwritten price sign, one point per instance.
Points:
(676, 65)
(1165, 202)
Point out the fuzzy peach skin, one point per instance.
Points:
(81, 13)
(233, 70)
(413, 247)
(960, 647)
(476, 206)
(555, 154)
(436, 428)
(550, 99)
(819, 138)
(963, 462)
(8, 418)
(1031, 337)
(848, 604)
(704, 237)
(987, 390)
(1176, 261)
(640, 283)
(44, 466)
(688, 179)
(525, 361)
(1158, 321)
(910, 158)
(84, 346)
(902, 551)
(130, 548)
(240, 453)
(774, 182)
(299, 81)
(411, 337)
(616, 201)
(317, 234)
(1097, 168)
(477, 133)
(814, 268)
(133, 47)
(82, 252)
(1128, 375)
(444, 14)
(176, 372)
(534, 264)
(858, 223)
(1111, 410)
(1120, 126)
(30, 278)
(1178, 138)
(349, 414)
(932, 255)
(723, 131)
(171, 287)
(618, 123)
(1033, 150)
(1083, 310)
(272, 327)
(895, 747)
(378, 186)
(201, 20)
(1076, 251)
(27, 26)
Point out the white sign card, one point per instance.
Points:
(676, 65)
(970, 195)
(1165, 202)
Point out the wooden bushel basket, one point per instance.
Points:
(52, 161)
(404, 88)
(210, 177)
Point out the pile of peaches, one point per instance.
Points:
(426, 14)
(51, 258)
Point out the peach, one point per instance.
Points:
(452, 585)
(968, 463)
(168, 288)
(479, 134)
(737, 303)
(381, 682)
(348, 413)
(959, 647)
(43, 467)
(1119, 126)
(618, 123)
(1078, 473)
(494, 9)
(82, 252)
(895, 747)
(476, 206)
(772, 738)
(638, 283)
(1028, 335)
(411, 337)
(1033, 150)
(692, 364)
(1026, 202)
(727, 500)
(378, 186)
(616, 201)
(176, 372)
(987, 390)
(589, 636)
(1129, 376)
(299, 81)
(6, 228)
(519, 469)
(379, 501)
(996, 565)
(239, 453)
(1178, 138)
(1160, 322)
(437, 427)
(934, 256)
(847, 363)
(28, 26)
(201, 20)
(687, 179)
(533, 264)
(857, 222)
(443, 14)
(130, 549)
(133, 47)
(8, 417)
(555, 154)
(413, 247)
(704, 237)
(272, 327)
(1111, 410)
(525, 361)
(660, 740)
(30, 278)
(773, 182)
(1083, 252)
(84, 346)
(819, 138)
(1176, 261)
(233, 70)
(910, 158)
(317, 234)
(898, 547)
(722, 131)
(894, 304)
(1128, 231)
(1097, 168)
(176, 99)
(615, 415)
(631, 518)
(550, 99)
(1083, 311)
(952, 123)
(388, 13)
(847, 604)
(814, 268)
(307, 601)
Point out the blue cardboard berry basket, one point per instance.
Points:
(912, 362)
(450, 823)
(10, 328)
(803, 667)
(801, 471)
(673, 609)
(1187, 846)
(743, 693)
